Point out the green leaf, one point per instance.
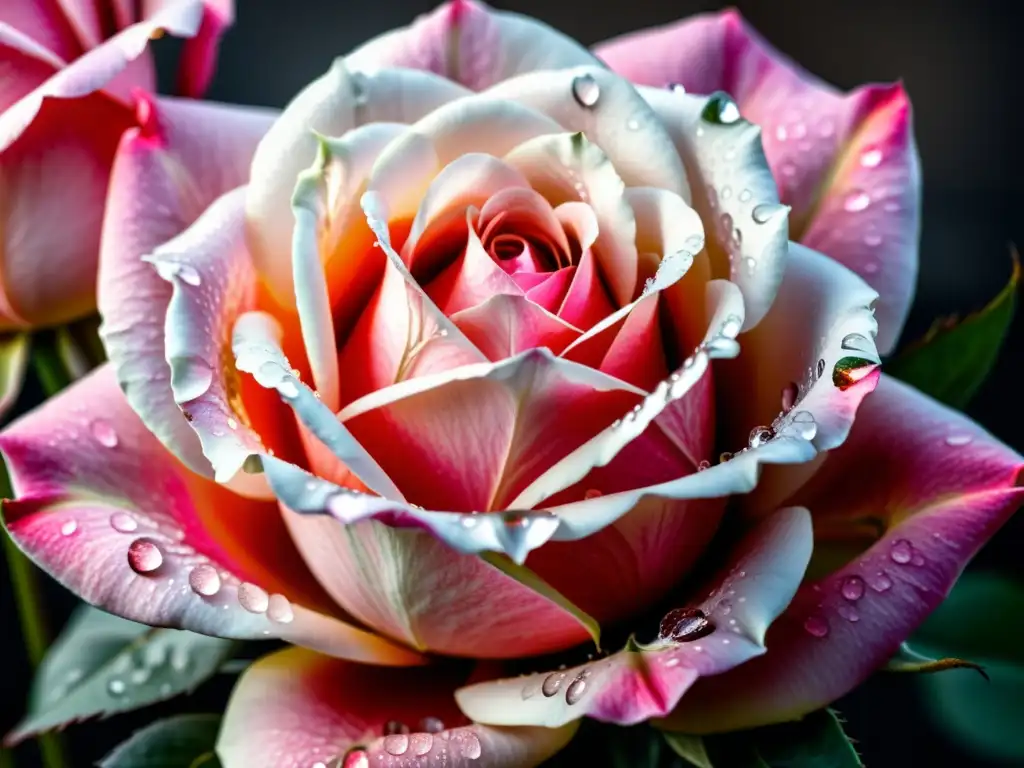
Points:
(982, 618)
(528, 578)
(954, 358)
(690, 748)
(14, 349)
(909, 660)
(183, 741)
(102, 665)
(815, 741)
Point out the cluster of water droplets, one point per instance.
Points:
(674, 265)
(133, 669)
(400, 741)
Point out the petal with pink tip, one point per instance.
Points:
(60, 162)
(97, 68)
(642, 682)
(613, 115)
(733, 190)
(181, 158)
(940, 488)
(26, 63)
(822, 145)
(815, 349)
(103, 508)
(199, 53)
(568, 168)
(472, 44)
(293, 709)
(337, 102)
(45, 24)
(505, 325)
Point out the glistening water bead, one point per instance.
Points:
(585, 90)
(684, 625)
(145, 556)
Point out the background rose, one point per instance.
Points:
(623, 688)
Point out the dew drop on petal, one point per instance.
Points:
(816, 626)
(431, 725)
(357, 758)
(902, 552)
(805, 425)
(720, 109)
(145, 556)
(592, 493)
(684, 625)
(848, 612)
(116, 687)
(745, 196)
(471, 746)
(585, 90)
(853, 588)
(104, 433)
(857, 200)
(850, 370)
(765, 211)
(870, 267)
(253, 598)
(881, 582)
(917, 559)
(677, 87)
(191, 377)
(958, 440)
(575, 690)
(759, 436)
(69, 528)
(204, 580)
(552, 684)
(873, 239)
(870, 158)
(397, 744)
(279, 609)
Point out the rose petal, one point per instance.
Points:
(734, 191)
(331, 105)
(293, 709)
(505, 325)
(567, 167)
(613, 115)
(817, 345)
(60, 162)
(823, 145)
(199, 53)
(97, 68)
(635, 685)
(111, 515)
(45, 24)
(181, 158)
(941, 487)
(14, 354)
(27, 64)
(472, 44)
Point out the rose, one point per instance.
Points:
(411, 304)
(70, 72)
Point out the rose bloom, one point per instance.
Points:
(71, 69)
(489, 347)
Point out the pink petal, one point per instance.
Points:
(60, 162)
(84, 16)
(181, 158)
(549, 289)
(199, 53)
(27, 65)
(295, 709)
(637, 353)
(505, 325)
(814, 353)
(472, 44)
(332, 105)
(635, 685)
(941, 487)
(821, 144)
(103, 508)
(44, 22)
(534, 409)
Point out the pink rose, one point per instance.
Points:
(450, 375)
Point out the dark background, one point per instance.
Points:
(960, 64)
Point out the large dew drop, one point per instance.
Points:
(683, 625)
(204, 580)
(191, 377)
(853, 588)
(816, 626)
(357, 758)
(253, 598)
(69, 528)
(279, 609)
(396, 745)
(576, 689)
(145, 556)
(586, 91)
(720, 109)
(850, 370)
(902, 552)
(104, 433)
(122, 522)
(552, 684)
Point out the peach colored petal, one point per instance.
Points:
(44, 22)
(505, 325)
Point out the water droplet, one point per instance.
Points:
(857, 200)
(397, 744)
(188, 274)
(871, 158)
(592, 493)
(725, 608)
(731, 326)
(141, 675)
(279, 609)
(848, 612)
(104, 433)
(420, 743)
(232, 424)
(765, 211)
(585, 90)
(781, 133)
(849, 370)
(881, 582)
(749, 265)
(391, 727)
(253, 598)
(759, 436)
(204, 580)
(873, 239)
(726, 194)
(721, 346)
(144, 556)
(677, 87)
(116, 687)
(633, 124)
(958, 440)
(684, 625)
(431, 725)
(917, 559)
(191, 377)
(902, 552)
(805, 425)
(790, 393)
(891, 206)
(857, 342)
(720, 109)
(357, 758)
(816, 626)
(288, 388)
(471, 746)
(853, 588)
(575, 690)
(69, 527)
(552, 684)
(705, 464)
(180, 658)
(870, 267)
